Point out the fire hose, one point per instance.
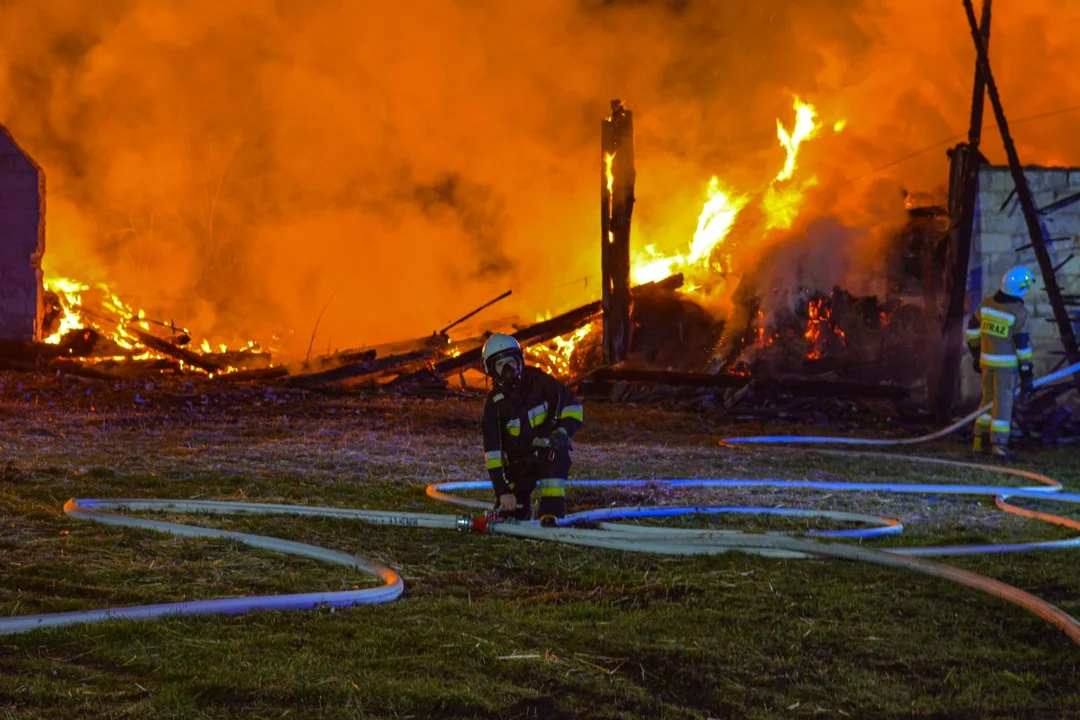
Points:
(602, 534)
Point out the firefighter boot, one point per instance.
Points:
(981, 444)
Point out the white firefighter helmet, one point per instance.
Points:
(1017, 281)
(503, 359)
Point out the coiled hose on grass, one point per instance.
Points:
(659, 540)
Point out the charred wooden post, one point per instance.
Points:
(617, 176)
(1023, 194)
(965, 160)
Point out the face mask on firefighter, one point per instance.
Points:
(507, 369)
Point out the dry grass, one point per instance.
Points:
(489, 627)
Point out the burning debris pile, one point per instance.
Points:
(93, 325)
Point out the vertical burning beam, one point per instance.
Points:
(617, 177)
(1023, 194)
(963, 189)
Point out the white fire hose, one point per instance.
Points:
(658, 540)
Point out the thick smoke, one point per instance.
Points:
(237, 166)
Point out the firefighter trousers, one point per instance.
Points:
(538, 470)
(998, 385)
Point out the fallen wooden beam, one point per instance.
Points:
(796, 386)
(562, 324)
(178, 353)
(359, 369)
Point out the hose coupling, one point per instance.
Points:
(477, 523)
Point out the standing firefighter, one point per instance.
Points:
(529, 418)
(998, 338)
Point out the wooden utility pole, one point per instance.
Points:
(965, 160)
(617, 176)
(1023, 194)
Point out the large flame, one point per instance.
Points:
(780, 203)
(722, 207)
(783, 198)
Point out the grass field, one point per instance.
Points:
(490, 627)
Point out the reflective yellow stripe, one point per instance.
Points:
(1005, 317)
(1000, 426)
(553, 487)
(1025, 353)
(497, 397)
(573, 412)
(494, 459)
(997, 361)
(983, 420)
(973, 334)
(514, 427)
(538, 415)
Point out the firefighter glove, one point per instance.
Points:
(1027, 380)
(560, 440)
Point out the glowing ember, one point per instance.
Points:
(819, 327)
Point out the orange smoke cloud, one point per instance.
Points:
(235, 166)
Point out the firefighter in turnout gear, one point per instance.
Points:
(1000, 344)
(529, 418)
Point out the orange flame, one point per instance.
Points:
(783, 200)
(722, 207)
(554, 357)
(114, 319)
(780, 202)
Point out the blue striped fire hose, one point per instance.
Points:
(605, 534)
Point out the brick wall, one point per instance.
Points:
(22, 242)
(1000, 233)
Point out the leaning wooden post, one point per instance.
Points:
(1027, 205)
(617, 176)
(965, 160)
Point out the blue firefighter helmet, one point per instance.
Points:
(1017, 281)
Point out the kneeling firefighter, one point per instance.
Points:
(1000, 345)
(529, 418)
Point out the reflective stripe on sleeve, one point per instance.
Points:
(538, 415)
(494, 459)
(572, 412)
(973, 334)
(1025, 353)
(1000, 426)
(983, 420)
(513, 427)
